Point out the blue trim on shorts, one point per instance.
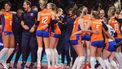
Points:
(99, 44)
(111, 47)
(42, 33)
(118, 40)
(56, 35)
(88, 38)
(74, 42)
(8, 33)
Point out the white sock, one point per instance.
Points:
(75, 63)
(113, 63)
(118, 58)
(48, 54)
(100, 60)
(80, 62)
(120, 54)
(10, 51)
(52, 57)
(39, 54)
(3, 52)
(88, 55)
(107, 63)
(92, 62)
(56, 56)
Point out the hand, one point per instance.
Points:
(26, 27)
(32, 30)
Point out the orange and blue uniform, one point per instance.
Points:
(97, 39)
(6, 20)
(75, 39)
(110, 44)
(56, 32)
(87, 19)
(45, 19)
(116, 26)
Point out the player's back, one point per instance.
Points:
(97, 25)
(45, 18)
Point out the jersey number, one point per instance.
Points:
(44, 19)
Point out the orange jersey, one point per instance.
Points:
(45, 18)
(97, 25)
(116, 27)
(6, 22)
(86, 21)
(57, 29)
(75, 29)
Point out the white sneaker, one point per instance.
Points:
(38, 66)
(5, 66)
(113, 63)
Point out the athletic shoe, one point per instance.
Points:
(23, 65)
(32, 65)
(38, 66)
(15, 65)
(5, 66)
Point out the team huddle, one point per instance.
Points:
(96, 39)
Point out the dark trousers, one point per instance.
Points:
(29, 46)
(65, 54)
(63, 48)
(17, 50)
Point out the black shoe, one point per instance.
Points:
(15, 65)
(23, 65)
(97, 65)
(31, 66)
